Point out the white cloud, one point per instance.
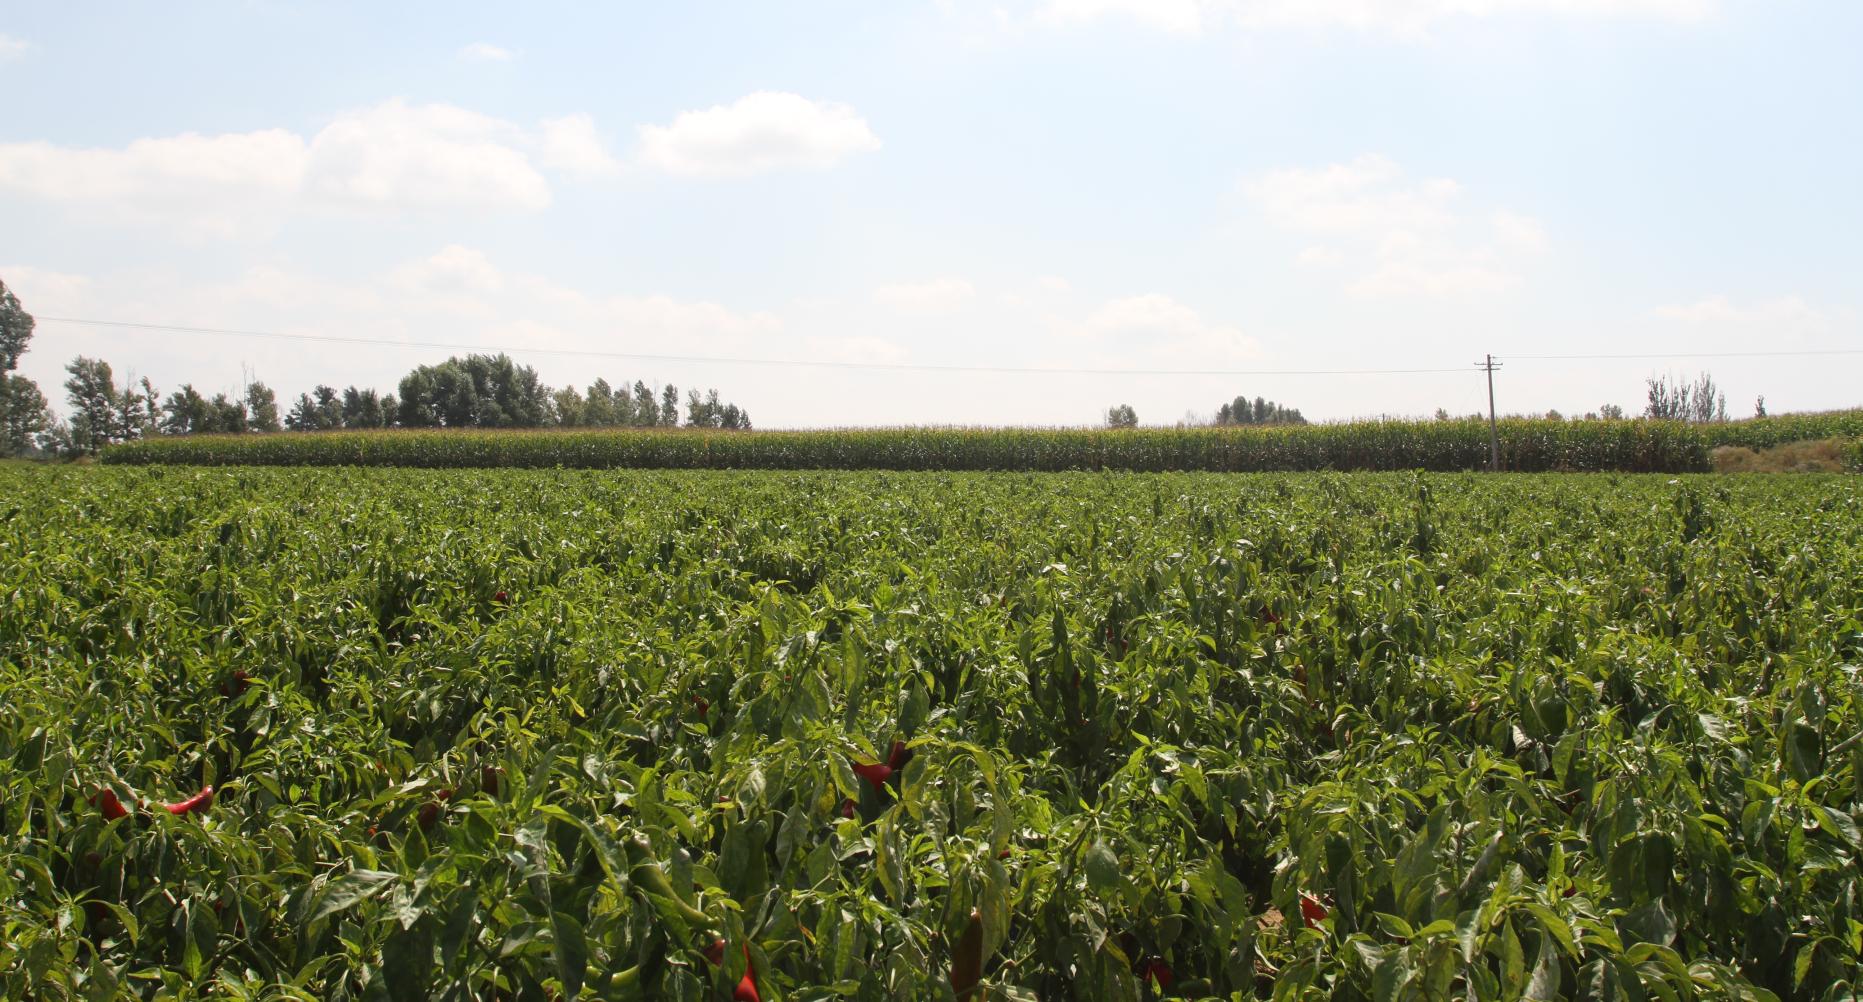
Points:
(1403, 236)
(455, 295)
(934, 296)
(1517, 232)
(1415, 17)
(1786, 315)
(454, 270)
(1318, 256)
(1402, 18)
(459, 280)
(1054, 283)
(41, 290)
(649, 322)
(1368, 193)
(423, 156)
(395, 156)
(572, 144)
(648, 319)
(860, 348)
(1176, 16)
(1155, 328)
(272, 289)
(1439, 277)
(762, 131)
(268, 162)
(210, 183)
(11, 47)
(485, 52)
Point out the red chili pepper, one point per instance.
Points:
(196, 804)
(501, 598)
(875, 773)
(847, 809)
(108, 805)
(1160, 972)
(747, 987)
(430, 811)
(1311, 911)
(488, 779)
(899, 756)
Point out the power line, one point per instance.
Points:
(915, 366)
(1693, 354)
(713, 359)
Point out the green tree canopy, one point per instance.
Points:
(15, 329)
(95, 402)
(1261, 410)
(23, 414)
(477, 391)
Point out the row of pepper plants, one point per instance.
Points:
(545, 735)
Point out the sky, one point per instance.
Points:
(1190, 200)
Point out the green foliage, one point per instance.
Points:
(261, 408)
(100, 413)
(709, 411)
(477, 391)
(364, 409)
(1261, 410)
(15, 329)
(548, 734)
(1526, 446)
(186, 412)
(1780, 429)
(1672, 398)
(319, 410)
(23, 414)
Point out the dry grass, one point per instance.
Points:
(1825, 456)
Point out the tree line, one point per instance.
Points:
(1240, 411)
(473, 391)
(1671, 398)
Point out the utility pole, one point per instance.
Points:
(1494, 435)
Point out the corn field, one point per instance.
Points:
(1765, 432)
(1442, 446)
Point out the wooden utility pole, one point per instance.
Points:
(1494, 435)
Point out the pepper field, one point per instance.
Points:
(535, 734)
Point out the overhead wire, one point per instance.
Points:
(1689, 354)
(921, 366)
(731, 360)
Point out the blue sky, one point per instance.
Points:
(1194, 185)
